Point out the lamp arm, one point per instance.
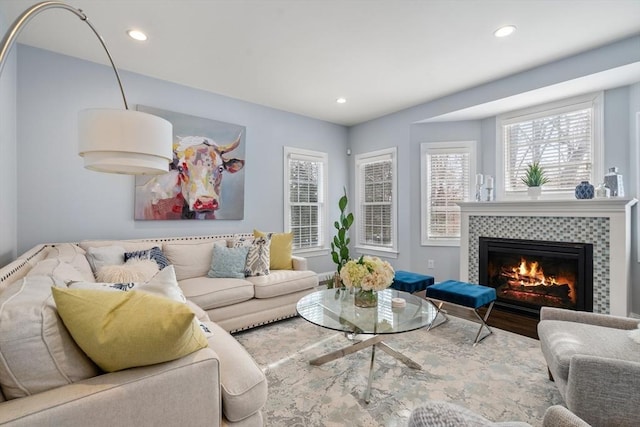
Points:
(20, 22)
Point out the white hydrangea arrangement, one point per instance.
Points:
(367, 273)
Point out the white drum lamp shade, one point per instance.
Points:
(124, 141)
(114, 141)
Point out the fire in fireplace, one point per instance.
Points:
(529, 274)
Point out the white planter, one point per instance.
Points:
(534, 192)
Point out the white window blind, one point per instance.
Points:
(446, 176)
(562, 139)
(305, 194)
(376, 182)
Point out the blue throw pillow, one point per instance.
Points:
(154, 253)
(228, 262)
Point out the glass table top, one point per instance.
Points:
(335, 309)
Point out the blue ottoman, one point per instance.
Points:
(463, 294)
(411, 282)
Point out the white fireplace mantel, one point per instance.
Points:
(617, 210)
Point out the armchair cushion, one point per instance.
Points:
(562, 340)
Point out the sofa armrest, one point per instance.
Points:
(617, 322)
(181, 392)
(299, 263)
(559, 416)
(604, 391)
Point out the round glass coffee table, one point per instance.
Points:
(335, 309)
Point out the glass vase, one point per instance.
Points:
(365, 299)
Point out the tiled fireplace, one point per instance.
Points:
(602, 225)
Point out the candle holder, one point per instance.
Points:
(489, 194)
(478, 192)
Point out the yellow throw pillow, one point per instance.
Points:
(280, 250)
(120, 330)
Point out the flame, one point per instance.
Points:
(529, 274)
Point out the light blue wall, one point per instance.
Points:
(8, 178)
(402, 130)
(61, 201)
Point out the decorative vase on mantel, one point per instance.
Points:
(365, 299)
(584, 190)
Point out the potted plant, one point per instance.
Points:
(534, 179)
(340, 243)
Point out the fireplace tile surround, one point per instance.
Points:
(605, 223)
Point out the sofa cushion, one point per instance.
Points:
(73, 255)
(60, 270)
(211, 293)
(228, 262)
(191, 259)
(120, 330)
(561, 340)
(243, 384)
(282, 282)
(37, 352)
(280, 248)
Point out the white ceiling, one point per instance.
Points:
(301, 55)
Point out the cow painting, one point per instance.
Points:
(192, 189)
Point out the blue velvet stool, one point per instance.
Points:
(411, 282)
(466, 295)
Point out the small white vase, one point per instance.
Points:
(534, 192)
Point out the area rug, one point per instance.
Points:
(504, 378)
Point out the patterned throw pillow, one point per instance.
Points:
(228, 262)
(258, 258)
(154, 253)
(280, 249)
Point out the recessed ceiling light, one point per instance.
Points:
(504, 31)
(341, 100)
(137, 35)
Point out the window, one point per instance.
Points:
(564, 137)
(446, 171)
(376, 193)
(305, 197)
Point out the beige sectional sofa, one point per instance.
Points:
(50, 381)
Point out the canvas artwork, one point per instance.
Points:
(205, 179)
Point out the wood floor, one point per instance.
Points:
(501, 319)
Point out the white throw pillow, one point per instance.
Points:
(105, 255)
(37, 352)
(163, 284)
(134, 270)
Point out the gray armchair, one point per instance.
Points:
(594, 363)
(445, 414)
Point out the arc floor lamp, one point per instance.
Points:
(110, 140)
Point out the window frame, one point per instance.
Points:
(593, 100)
(315, 156)
(362, 247)
(449, 147)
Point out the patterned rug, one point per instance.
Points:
(504, 378)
